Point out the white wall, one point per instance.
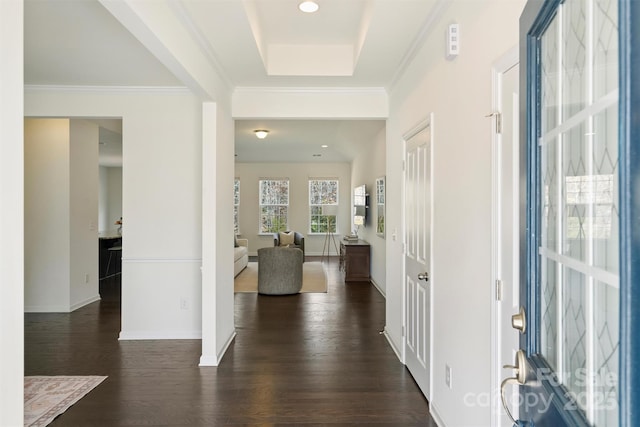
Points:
(114, 179)
(61, 214)
(368, 166)
(110, 197)
(11, 214)
(83, 213)
(217, 232)
(162, 193)
(457, 92)
(298, 219)
(103, 199)
(47, 215)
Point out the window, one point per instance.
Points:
(323, 205)
(236, 205)
(274, 205)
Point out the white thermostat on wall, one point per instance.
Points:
(453, 41)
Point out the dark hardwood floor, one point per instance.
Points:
(307, 359)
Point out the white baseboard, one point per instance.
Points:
(433, 410)
(208, 361)
(307, 253)
(88, 301)
(59, 308)
(373, 282)
(395, 349)
(159, 335)
(215, 360)
(46, 309)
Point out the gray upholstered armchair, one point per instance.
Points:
(279, 271)
(298, 241)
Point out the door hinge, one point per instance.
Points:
(498, 121)
(403, 331)
(498, 290)
(403, 165)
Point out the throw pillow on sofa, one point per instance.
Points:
(286, 239)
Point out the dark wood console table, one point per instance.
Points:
(355, 260)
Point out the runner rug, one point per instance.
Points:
(313, 278)
(47, 397)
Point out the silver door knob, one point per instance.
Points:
(423, 276)
(519, 321)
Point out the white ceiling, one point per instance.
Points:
(302, 140)
(254, 43)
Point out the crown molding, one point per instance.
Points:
(187, 21)
(164, 90)
(419, 41)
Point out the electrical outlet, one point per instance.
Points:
(183, 304)
(447, 375)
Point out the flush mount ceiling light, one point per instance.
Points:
(261, 133)
(308, 6)
(324, 146)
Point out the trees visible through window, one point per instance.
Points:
(274, 205)
(323, 205)
(236, 205)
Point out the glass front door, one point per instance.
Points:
(575, 169)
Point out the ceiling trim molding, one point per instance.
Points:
(419, 41)
(299, 90)
(166, 90)
(185, 17)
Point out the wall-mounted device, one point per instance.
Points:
(453, 41)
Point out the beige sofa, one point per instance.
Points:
(240, 256)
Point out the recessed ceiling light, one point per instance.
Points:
(261, 133)
(324, 146)
(308, 6)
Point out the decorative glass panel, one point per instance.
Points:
(605, 53)
(607, 301)
(548, 327)
(574, 334)
(549, 194)
(579, 219)
(549, 76)
(605, 163)
(574, 70)
(577, 192)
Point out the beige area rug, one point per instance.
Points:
(47, 397)
(313, 278)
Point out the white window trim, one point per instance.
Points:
(337, 204)
(260, 205)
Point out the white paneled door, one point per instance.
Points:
(418, 255)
